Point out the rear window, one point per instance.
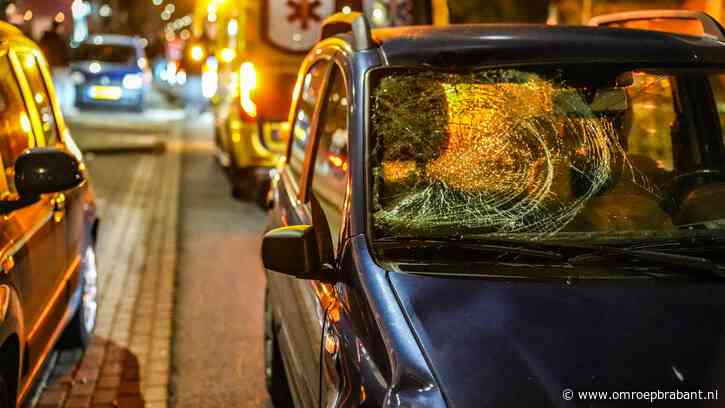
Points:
(115, 54)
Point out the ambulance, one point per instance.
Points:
(255, 52)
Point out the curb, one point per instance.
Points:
(150, 148)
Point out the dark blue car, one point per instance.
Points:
(111, 71)
(501, 216)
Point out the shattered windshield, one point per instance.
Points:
(562, 152)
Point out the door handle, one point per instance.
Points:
(7, 264)
(57, 203)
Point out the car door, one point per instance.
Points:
(296, 305)
(328, 188)
(69, 204)
(34, 253)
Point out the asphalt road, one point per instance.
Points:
(217, 342)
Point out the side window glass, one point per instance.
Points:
(41, 97)
(310, 92)
(16, 131)
(329, 179)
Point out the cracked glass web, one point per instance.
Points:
(499, 151)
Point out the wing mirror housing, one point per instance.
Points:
(42, 170)
(294, 251)
(46, 170)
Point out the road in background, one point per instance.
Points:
(217, 349)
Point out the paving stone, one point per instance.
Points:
(130, 402)
(78, 402)
(82, 390)
(87, 375)
(155, 393)
(104, 396)
(127, 361)
(112, 382)
(53, 398)
(129, 388)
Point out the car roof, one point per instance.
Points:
(483, 44)
(114, 39)
(10, 32)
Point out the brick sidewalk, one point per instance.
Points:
(128, 361)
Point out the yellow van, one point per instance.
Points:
(257, 47)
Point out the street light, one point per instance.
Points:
(105, 11)
(197, 53)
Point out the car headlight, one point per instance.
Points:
(133, 81)
(77, 77)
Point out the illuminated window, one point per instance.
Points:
(329, 180)
(303, 117)
(15, 129)
(41, 98)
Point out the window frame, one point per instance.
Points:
(27, 91)
(311, 155)
(297, 189)
(18, 78)
(47, 78)
(301, 182)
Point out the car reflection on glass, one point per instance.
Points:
(491, 215)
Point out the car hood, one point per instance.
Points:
(506, 342)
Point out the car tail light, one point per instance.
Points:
(247, 87)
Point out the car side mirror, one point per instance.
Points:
(46, 170)
(294, 251)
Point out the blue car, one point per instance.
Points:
(501, 216)
(111, 71)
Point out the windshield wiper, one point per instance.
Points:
(503, 247)
(553, 250)
(702, 266)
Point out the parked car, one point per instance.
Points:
(48, 225)
(111, 71)
(499, 216)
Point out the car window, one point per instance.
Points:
(329, 179)
(310, 92)
(111, 53)
(16, 132)
(41, 98)
(717, 83)
(649, 119)
(571, 152)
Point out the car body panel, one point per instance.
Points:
(297, 336)
(41, 244)
(374, 342)
(540, 338)
(490, 44)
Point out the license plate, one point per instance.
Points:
(106, 93)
